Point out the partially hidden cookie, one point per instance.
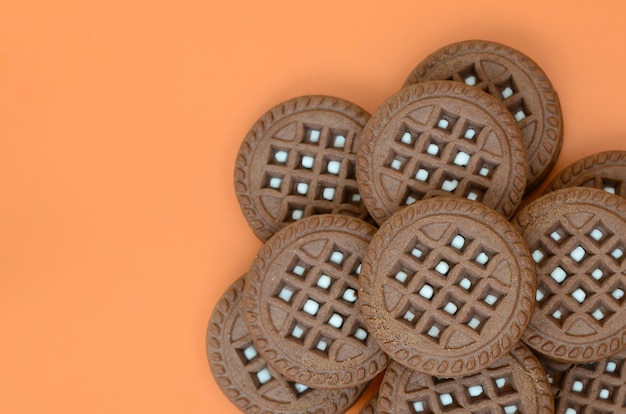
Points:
(554, 371)
(515, 80)
(440, 138)
(577, 238)
(594, 388)
(301, 303)
(604, 170)
(297, 160)
(447, 286)
(248, 381)
(516, 383)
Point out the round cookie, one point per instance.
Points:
(597, 387)
(516, 383)
(604, 170)
(577, 238)
(440, 138)
(514, 79)
(244, 376)
(447, 286)
(297, 160)
(301, 303)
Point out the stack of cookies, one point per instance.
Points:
(396, 243)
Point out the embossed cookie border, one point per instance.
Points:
(548, 150)
(259, 225)
(365, 168)
(510, 333)
(287, 365)
(588, 164)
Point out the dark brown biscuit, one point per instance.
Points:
(440, 138)
(603, 170)
(246, 379)
(298, 160)
(515, 80)
(594, 388)
(516, 383)
(301, 303)
(577, 238)
(447, 286)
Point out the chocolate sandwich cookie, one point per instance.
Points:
(301, 303)
(447, 286)
(248, 381)
(554, 371)
(515, 80)
(594, 388)
(297, 160)
(516, 383)
(371, 407)
(577, 238)
(604, 170)
(440, 138)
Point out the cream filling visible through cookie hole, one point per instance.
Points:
(324, 282)
(298, 270)
(465, 283)
(337, 257)
(475, 390)
(578, 254)
(409, 316)
(302, 188)
(281, 156)
(322, 345)
(427, 292)
(482, 258)
(250, 353)
(617, 253)
(617, 294)
(443, 123)
(451, 308)
(407, 138)
(433, 149)
(610, 366)
(418, 406)
(422, 175)
(449, 185)
(538, 255)
(446, 399)
(507, 92)
(510, 409)
(275, 182)
(558, 274)
(263, 376)
(314, 135)
(339, 142)
(458, 242)
(333, 167)
(519, 115)
(597, 274)
(401, 276)
(311, 307)
(471, 80)
(285, 294)
(328, 193)
(470, 133)
(598, 314)
(307, 161)
(350, 295)
(297, 331)
(300, 388)
(596, 234)
(297, 214)
(360, 334)
(442, 267)
(462, 159)
(336, 320)
(579, 295)
(474, 323)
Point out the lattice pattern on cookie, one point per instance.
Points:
(443, 155)
(262, 376)
(577, 273)
(503, 86)
(320, 303)
(438, 288)
(598, 387)
(313, 174)
(492, 390)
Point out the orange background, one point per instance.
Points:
(119, 125)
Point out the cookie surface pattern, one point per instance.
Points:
(447, 286)
(246, 379)
(301, 303)
(516, 383)
(514, 79)
(604, 170)
(297, 160)
(577, 240)
(440, 138)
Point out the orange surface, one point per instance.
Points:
(119, 126)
